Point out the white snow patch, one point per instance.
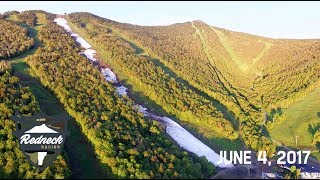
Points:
(75, 35)
(62, 22)
(82, 42)
(141, 109)
(121, 90)
(90, 53)
(109, 75)
(192, 144)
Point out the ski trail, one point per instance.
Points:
(261, 54)
(244, 67)
(225, 84)
(185, 139)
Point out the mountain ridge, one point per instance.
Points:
(199, 21)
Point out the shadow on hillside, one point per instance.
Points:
(139, 98)
(273, 114)
(276, 111)
(313, 128)
(229, 115)
(137, 48)
(265, 132)
(216, 143)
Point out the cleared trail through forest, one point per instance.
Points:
(185, 139)
(81, 158)
(158, 61)
(244, 67)
(219, 75)
(268, 45)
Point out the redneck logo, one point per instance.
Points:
(40, 137)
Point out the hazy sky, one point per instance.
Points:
(271, 19)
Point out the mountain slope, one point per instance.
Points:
(250, 75)
(126, 143)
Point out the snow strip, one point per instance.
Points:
(83, 42)
(121, 90)
(192, 144)
(186, 140)
(141, 109)
(178, 133)
(109, 75)
(90, 53)
(63, 23)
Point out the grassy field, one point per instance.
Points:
(299, 115)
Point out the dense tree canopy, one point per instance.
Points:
(28, 17)
(131, 145)
(13, 164)
(14, 39)
(175, 97)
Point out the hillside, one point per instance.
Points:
(250, 76)
(125, 143)
(220, 89)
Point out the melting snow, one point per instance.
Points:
(109, 75)
(141, 109)
(192, 144)
(62, 22)
(186, 140)
(75, 35)
(121, 90)
(90, 53)
(178, 133)
(83, 42)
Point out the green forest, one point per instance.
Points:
(256, 79)
(129, 145)
(13, 164)
(231, 90)
(232, 121)
(13, 39)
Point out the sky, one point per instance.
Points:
(295, 20)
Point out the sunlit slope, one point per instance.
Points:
(290, 70)
(227, 65)
(297, 119)
(248, 74)
(160, 86)
(244, 49)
